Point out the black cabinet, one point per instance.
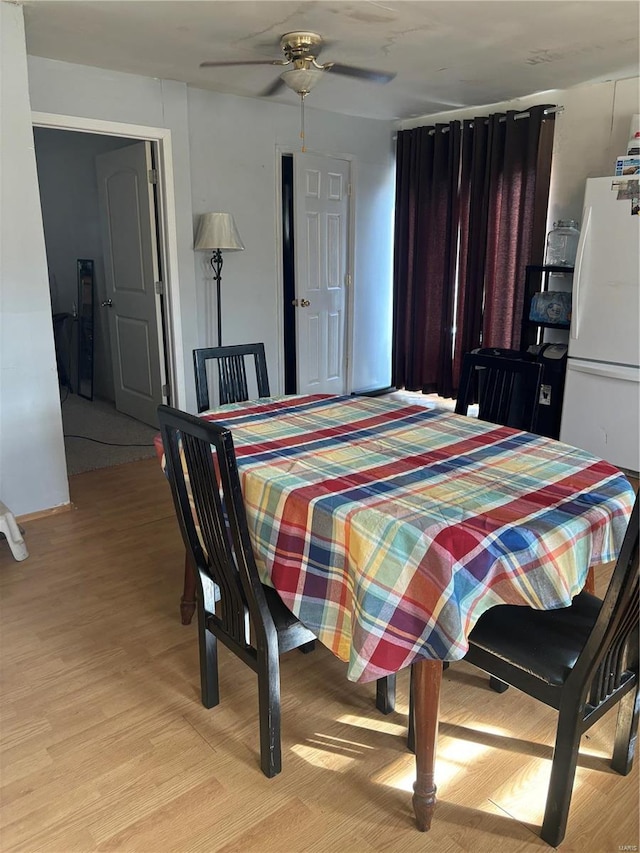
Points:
(537, 280)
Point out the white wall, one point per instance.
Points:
(225, 152)
(590, 134)
(32, 462)
(235, 147)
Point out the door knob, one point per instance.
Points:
(300, 303)
(108, 303)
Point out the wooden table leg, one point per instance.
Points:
(426, 680)
(590, 585)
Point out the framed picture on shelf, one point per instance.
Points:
(552, 307)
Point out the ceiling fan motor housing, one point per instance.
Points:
(298, 45)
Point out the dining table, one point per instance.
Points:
(388, 528)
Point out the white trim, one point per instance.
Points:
(162, 136)
(99, 126)
(353, 171)
(277, 196)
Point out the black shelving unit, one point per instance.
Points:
(551, 356)
(537, 281)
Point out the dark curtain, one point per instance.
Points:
(471, 207)
(426, 225)
(474, 193)
(514, 192)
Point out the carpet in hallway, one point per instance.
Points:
(101, 428)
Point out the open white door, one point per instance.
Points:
(321, 227)
(127, 217)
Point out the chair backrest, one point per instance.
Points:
(232, 374)
(611, 651)
(507, 389)
(202, 471)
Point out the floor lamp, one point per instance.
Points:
(217, 232)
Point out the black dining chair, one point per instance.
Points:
(233, 605)
(581, 660)
(507, 391)
(232, 373)
(233, 388)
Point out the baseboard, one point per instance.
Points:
(375, 392)
(44, 513)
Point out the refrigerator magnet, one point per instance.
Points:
(627, 189)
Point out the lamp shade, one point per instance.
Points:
(218, 231)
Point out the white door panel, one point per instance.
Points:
(321, 227)
(131, 269)
(601, 412)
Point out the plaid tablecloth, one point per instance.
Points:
(388, 529)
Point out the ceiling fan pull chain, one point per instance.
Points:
(302, 94)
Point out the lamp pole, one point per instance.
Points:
(216, 266)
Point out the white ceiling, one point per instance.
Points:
(445, 54)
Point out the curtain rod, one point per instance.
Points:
(526, 113)
(523, 114)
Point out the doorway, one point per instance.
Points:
(66, 161)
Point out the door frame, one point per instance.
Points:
(282, 150)
(169, 326)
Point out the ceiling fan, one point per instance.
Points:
(301, 51)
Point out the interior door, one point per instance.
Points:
(127, 218)
(321, 227)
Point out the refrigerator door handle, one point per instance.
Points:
(582, 242)
(606, 371)
(577, 273)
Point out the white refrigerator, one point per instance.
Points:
(601, 408)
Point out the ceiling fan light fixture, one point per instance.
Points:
(301, 80)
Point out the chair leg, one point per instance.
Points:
(497, 685)
(563, 771)
(269, 711)
(307, 648)
(209, 687)
(386, 694)
(208, 644)
(626, 733)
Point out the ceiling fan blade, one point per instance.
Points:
(248, 62)
(273, 89)
(360, 73)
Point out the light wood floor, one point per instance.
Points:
(106, 747)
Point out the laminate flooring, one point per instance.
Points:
(105, 745)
